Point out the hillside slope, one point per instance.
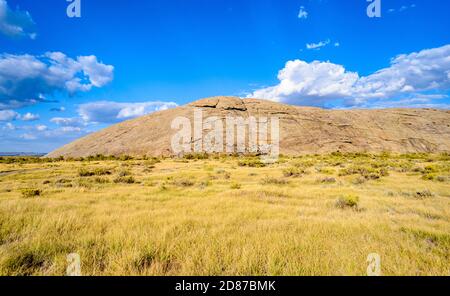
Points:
(303, 130)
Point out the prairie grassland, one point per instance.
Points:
(310, 215)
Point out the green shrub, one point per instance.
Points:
(424, 194)
(30, 193)
(196, 156)
(347, 201)
(124, 173)
(428, 177)
(83, 172)
(125, 180)
(359, 180)
(125, 157)
(183, 183)
(63, 183)
(441, 178)
(235, 186)
(25, 262)
(326, 171)
(251, 162)
(304, 164)
(205, 184)
(369, 173)
(293, 172)
(101, 180)
(327, 180)
(273, 181)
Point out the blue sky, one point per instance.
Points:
(61, 77)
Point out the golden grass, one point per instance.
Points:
(227, 216)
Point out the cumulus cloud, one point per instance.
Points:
(41, 127)
(302, 14)
(317, 46)
(112, 112)
(27, 79)
(30, 117)
(68, 121)
(15, 23)
(8, 115)
(322, 83)
(9, 126)
(28, 136)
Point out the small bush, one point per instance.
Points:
(273, 181)
(327, 180)
(441, 178)
(428, 177)
(304, 164)
(347, 201)
(85, 173)
(205, 184)
(31, 193)
(144, 261)
(424, 194)
(152, 161)
(293, 172)
(63, 183)
(124, 173)
(96, 172)
(196, 156)
(125, 158)
(235, 186)
(125, 180)
(226, 175)
(183, 183)
(359, 180)
(101, 180)
(102, 172)
(25, 263)
(251, 162)
(326, 171)
(369, 173)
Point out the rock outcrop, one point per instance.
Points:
(303, 130)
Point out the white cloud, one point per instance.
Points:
(111, 112)
(29, 117)
(402, 8)
(28, 136)
(58, 109)
(317, 46)
(322, 83)
(15, 23)
(27, 79)
(302, 14)
(9, 126)
(68, 121)
(8, 115)
(41, 127)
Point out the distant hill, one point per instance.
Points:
(21, 154)
(303, 130)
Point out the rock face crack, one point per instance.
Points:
(235, 109)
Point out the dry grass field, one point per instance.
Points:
(309, 215)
